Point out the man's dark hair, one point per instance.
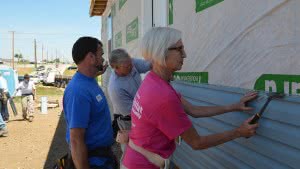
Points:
(26, 76)
(83, 46)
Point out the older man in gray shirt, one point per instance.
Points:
(124, 83)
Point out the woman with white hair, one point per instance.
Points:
(159, 113)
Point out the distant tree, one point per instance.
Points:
(56, 60)
(24, 61)
(19, 56)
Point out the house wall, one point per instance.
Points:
(242, 44)
(275, 145)
(237, 43)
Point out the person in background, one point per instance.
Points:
(159, 113)
(28, 93)
(3, 127)
(3, 98)
(124, 82)
(89, 131)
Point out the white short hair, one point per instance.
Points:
(117, 56)
(156, 42)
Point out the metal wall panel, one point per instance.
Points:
(276, 145)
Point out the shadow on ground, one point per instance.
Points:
(59, 146)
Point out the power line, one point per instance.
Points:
(40, 33)
(13, 49)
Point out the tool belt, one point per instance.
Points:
(66, 162)
(122, 136)
(115, 125)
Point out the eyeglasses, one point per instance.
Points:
(179, 48)
(126, 65)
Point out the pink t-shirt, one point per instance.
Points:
(157, 119)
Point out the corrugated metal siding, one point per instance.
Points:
(276, 145)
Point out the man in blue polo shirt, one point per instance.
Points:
(124, 82)
(89, 132)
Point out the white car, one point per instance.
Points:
(49, 78)
(35, 79)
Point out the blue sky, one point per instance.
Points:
(55, 24)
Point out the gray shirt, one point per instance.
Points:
(122, 89)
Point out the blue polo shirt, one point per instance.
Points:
(85, 106)
(122, 89)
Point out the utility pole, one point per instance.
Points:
(13, 50)
(35, 59)
(47, 57)
(42, 53)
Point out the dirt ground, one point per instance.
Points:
(34, 145)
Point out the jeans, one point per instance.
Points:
(4, 110)
(2, 123)
(110, 164)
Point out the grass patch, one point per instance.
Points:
(69, 72)
(48, 91)
(17, 99)
(44, 91)
(24, 70)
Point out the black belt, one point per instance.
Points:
(27, 94)
(125, 118)
(100, 152)
(105, 152)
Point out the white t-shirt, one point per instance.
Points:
(3, 84)
(26, 88)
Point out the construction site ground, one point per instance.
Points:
(34, 145)
(37, 144)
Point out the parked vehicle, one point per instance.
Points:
(40, 68)
(34, 78)
(49, 77)
(62, 80)
(20, 78)
(72, 67)
(41, 76)
(55, 78)
(49, 69)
